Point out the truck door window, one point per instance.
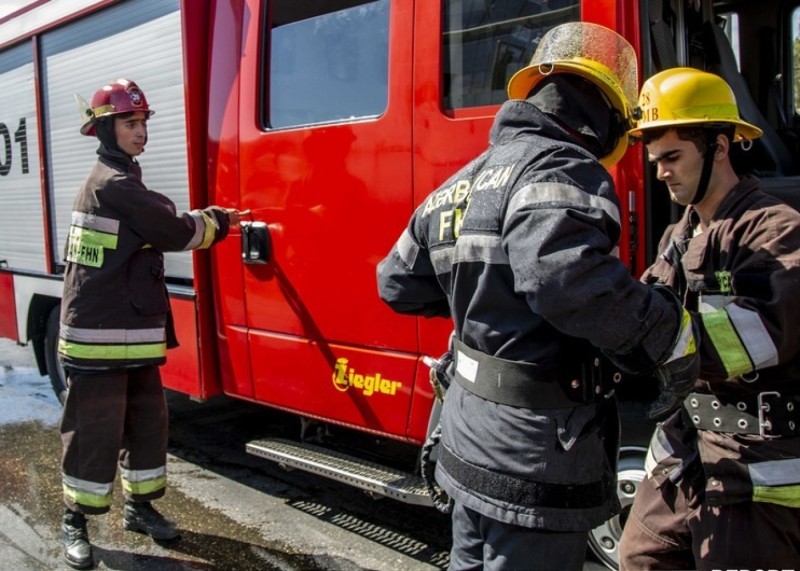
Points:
(485, 42)
(326, 61)
(729, 22)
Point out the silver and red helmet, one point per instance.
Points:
(121, 96)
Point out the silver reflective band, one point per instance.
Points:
(107, 336)
(199, 230)
(94, 222)
(775, 472)
(480, 248)
(407, 249)
(93, 488)
(557, 195)
(143, 475)
(754, 335)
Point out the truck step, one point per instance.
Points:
(362, 474)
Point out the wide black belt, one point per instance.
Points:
(524, 492)
(528, 385)
(769, 414)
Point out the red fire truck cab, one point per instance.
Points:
(329, 121)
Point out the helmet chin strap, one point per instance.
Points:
(705, 176)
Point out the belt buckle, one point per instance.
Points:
(764, 407)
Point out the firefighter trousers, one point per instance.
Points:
(481, 543)
(113, 419)
(671, 527)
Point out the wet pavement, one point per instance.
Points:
(235, 511)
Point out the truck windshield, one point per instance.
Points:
(485, 42)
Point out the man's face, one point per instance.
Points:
(678, 163)
(131, 133)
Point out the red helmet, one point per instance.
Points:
(121, 96)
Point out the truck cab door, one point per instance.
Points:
(325, 169)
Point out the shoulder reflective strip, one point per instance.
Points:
(685, 345)
(143, 475)
(209, 231)
(142, 488)
(199, 228)
(442, 260)
(94, 222)
(754, 335)
(559, 195)
(480, 248)
(407, 249)
(82, 335)
(112, 352)
(775, 472)
(788, 496)
(727, 343)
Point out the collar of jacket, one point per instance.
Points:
(742, 190)
(119, 160)
(519, 117)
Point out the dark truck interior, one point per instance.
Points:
(754, 45)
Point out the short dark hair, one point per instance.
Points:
(700, 136)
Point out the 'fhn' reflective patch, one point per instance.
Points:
(86, 246)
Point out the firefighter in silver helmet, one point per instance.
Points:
(723, 484)
(531, 279)
(116, 326)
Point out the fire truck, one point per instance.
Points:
(330, 121)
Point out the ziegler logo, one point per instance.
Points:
(344, 378)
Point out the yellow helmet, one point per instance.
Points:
(683, 96)
(593, 52)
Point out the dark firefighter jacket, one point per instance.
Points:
(742, 274)
(519, 248)
(115, 306)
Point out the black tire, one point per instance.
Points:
(54, 369)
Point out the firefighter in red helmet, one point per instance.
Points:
(116, 326)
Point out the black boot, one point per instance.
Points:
(77, 549)
(143, 517)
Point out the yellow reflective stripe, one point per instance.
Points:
(788, 496)
(85, 498)
(117, 352)
(86, 246)
(727, 343)
(141, 488)
(94, 237)
(210, 231)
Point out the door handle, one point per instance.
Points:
(256, 243)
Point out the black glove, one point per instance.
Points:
(676, 377)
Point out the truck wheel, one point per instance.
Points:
(604, 539)
(54, 369)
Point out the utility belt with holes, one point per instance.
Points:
(527, 385)
(769, 414)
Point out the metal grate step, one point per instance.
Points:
(362, 474)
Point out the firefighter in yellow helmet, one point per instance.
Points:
(723, 484)
(115, 326)
(519, 249)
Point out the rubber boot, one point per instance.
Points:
(77, 549)
(143, 517)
